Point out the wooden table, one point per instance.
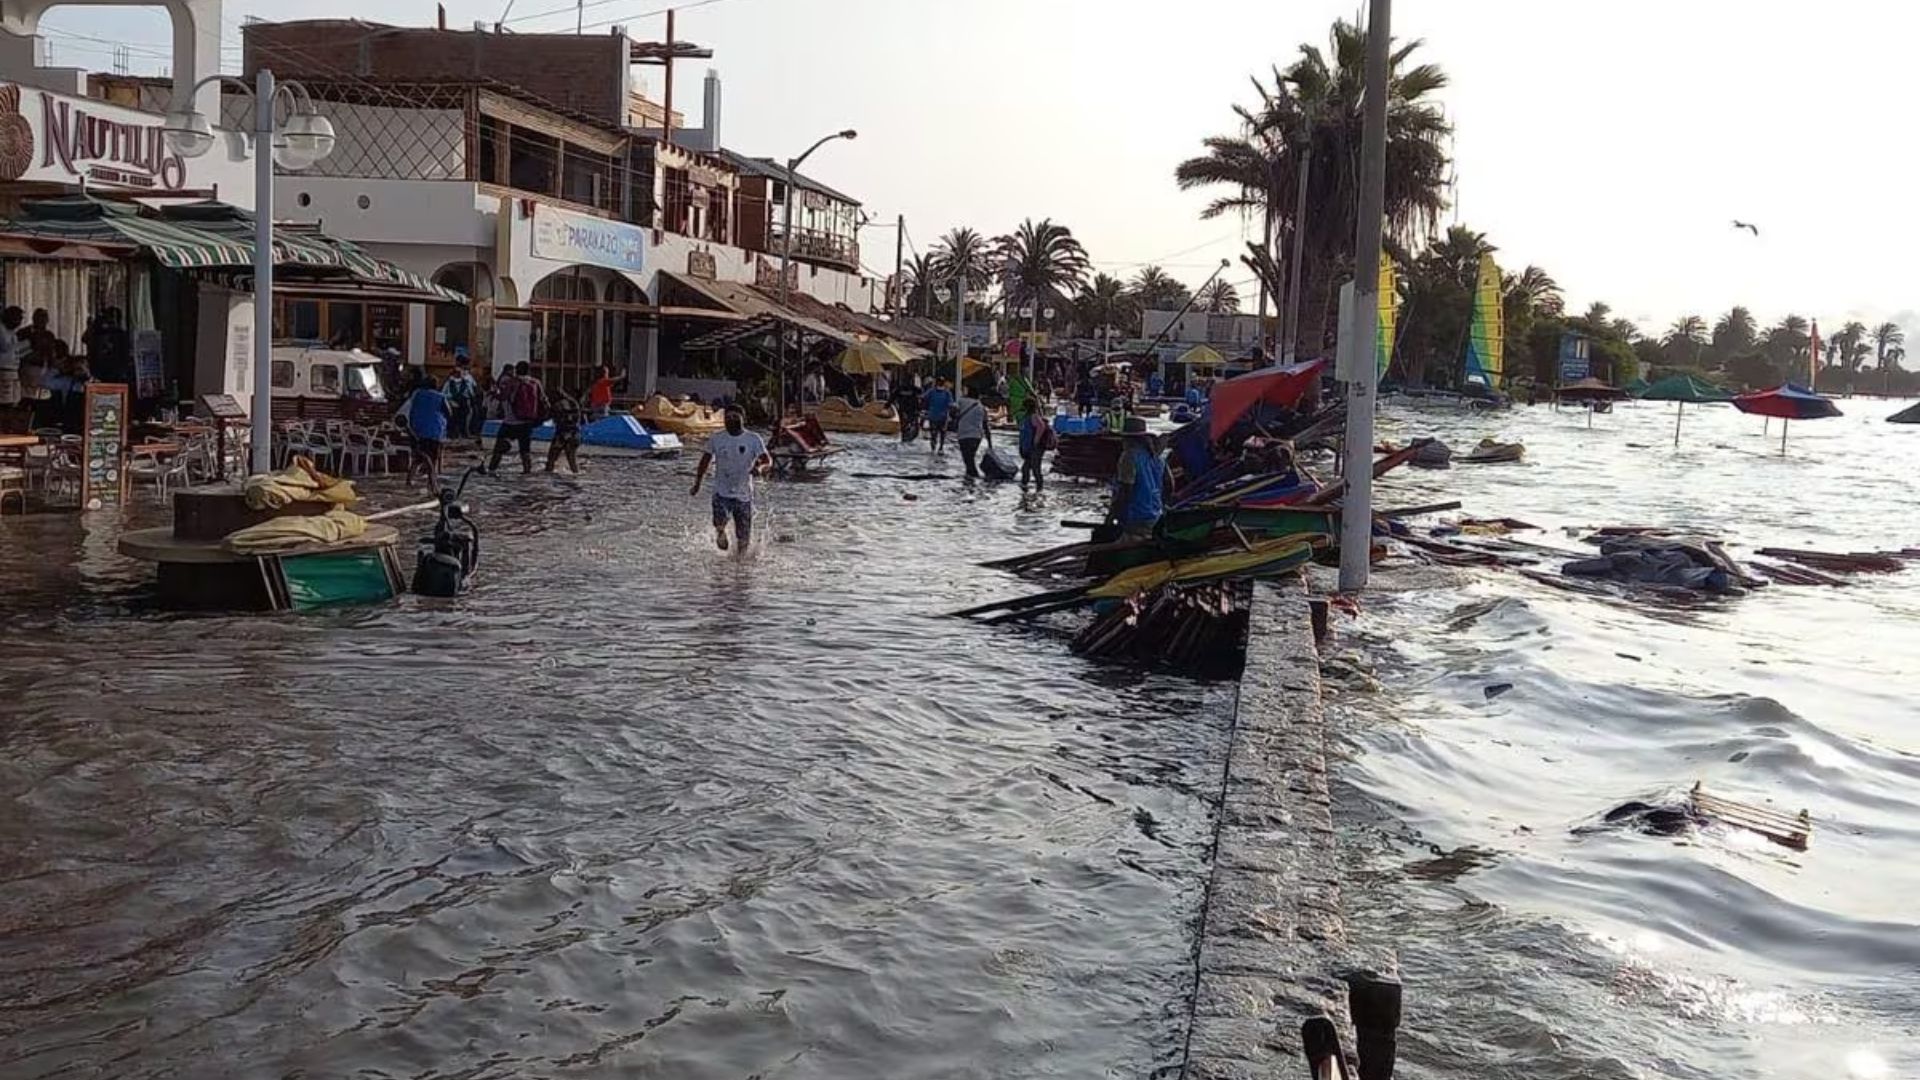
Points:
(18, 442)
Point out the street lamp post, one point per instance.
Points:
(304, 140)
(1356, 506)
(786, 254)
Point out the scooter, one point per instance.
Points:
(448, 557)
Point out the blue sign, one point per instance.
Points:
(570, 237)
(1574, 362)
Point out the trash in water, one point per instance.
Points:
(1497, 689)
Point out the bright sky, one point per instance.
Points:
(1610, 143)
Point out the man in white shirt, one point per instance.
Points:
(733, 455)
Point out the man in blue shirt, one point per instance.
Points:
(427, 417)
(938, 405)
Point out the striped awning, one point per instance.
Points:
(217, 237)
(80, 219)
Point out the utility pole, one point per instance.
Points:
(899, 262)
(1290, 324)
(1356, 506)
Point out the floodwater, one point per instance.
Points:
(632, 808)
(1537, 946)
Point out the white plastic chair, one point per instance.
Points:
(148, 466)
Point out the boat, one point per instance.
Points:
(1494, 452)
(874, 418)
(685, 419)
(799, 445)
(1486, 353)
(1908, 415)
(609, 436)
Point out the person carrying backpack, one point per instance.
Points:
(524, 402)
(463, 398)
(1036, 438)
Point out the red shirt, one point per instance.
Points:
(600, 393)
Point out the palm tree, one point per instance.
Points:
(1309, 122)
(1847, 348)
(1886, 337)
(1536, 291)
(1219, 297)
(1106, 302)
(1043, 263)
(1734, 333)
(1599, 314)
(963, 254)
(1157, 290)
(1786, 344)
(1686, 337)
(1456, 256)
(922, 274)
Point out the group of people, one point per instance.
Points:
(39, 368)
(435, 413)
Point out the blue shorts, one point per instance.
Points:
(739, 510)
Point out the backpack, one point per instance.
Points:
(1049, 438)
(525, 400)
(459, 390)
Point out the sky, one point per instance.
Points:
(1610, 143)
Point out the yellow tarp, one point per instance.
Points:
(285, 534)
(298, 482)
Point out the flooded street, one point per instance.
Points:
(1537, 944)
(632, 808)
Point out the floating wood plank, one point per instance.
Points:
(1787, 830)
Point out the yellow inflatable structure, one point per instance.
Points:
(875, 417)
(680, 418)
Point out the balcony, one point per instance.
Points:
(812, 245)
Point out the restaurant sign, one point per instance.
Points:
(571, 237)
(48, 136)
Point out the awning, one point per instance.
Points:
(756, 314)
(213, 238)
(81, 219)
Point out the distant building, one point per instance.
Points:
(1232, 336)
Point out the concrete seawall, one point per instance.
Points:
(1273, 943)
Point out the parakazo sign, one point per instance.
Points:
(566, 236)
(76, 138)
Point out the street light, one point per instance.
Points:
(304, 140)
(786, 253)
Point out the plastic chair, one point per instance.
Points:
(148, 466)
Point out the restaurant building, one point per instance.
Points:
(584, 237)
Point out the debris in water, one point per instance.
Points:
(1497, 689)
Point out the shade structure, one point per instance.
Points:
(1589, 390)
(1788, 402)
(1686, 390)
(1236, 397)
(1637, 387)
(1908, 415)
(868, 356)
(1201, 356)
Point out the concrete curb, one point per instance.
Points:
(1273, 945)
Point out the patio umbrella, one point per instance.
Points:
(1686, 390)
(1788, 402)
(1236, 397)
(867, 357)
(1587, 391)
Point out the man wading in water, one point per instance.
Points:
(734, 455)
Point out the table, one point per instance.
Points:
(18, 442)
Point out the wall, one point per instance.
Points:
(585, 73)
(398, 212)
(1197, 327)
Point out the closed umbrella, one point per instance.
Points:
(1686, 390)
(1788, 402)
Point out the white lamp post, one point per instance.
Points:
(786, 253)
(305, 139)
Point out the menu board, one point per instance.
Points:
(223, 406)
(104, 444)
(149, 372)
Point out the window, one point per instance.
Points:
(564, 332)
(493, 139)
(282, 376)
(303, 320)
(363, 381)
(346, 326)
(532, 161)
(324, 379)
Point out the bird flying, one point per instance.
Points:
(1754, 229)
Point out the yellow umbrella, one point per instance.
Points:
(1201, 356)
(866, 357)
(969, 367)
